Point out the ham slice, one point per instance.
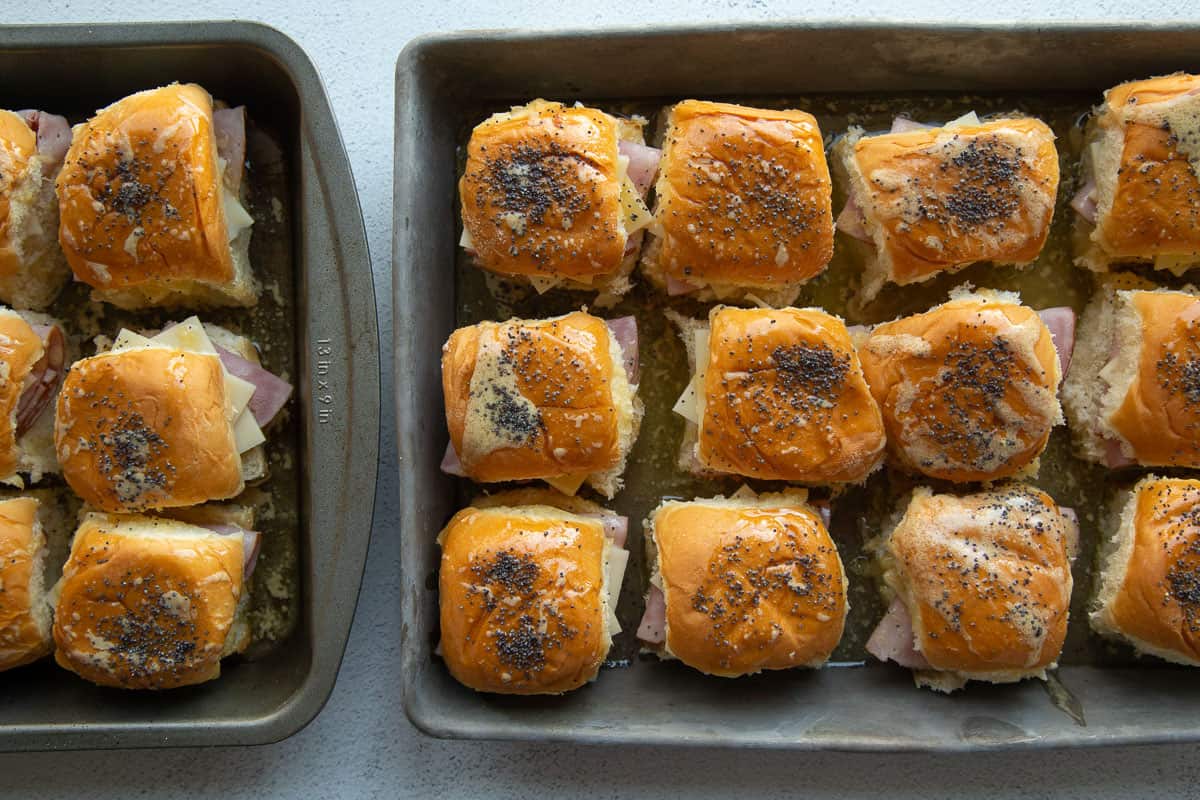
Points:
(43, 380)
(229, 125)
(53, 136)
(676, 287)
(1114, 455)
(1061, 322)
(904, 125)
(632, 244)
(653, 627)
(451, 465)
(643, 163)
(893, 639)
(271, 392)
(616, 528)
(624, 330)
(251, 545)
(851, 222)
(1084, 201)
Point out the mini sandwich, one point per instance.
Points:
(743, 204)
(151, 202)
(1140, 196)
(552, 400)
(25, 615)
(777, 394)
(1133, 393)
(32, 267)
(152, 603)
(969, 390)
(168, 421)
(33, 355)
(929, 200)
(554, 195)
(1148, 591)
(743, 584)
(979, 586)
(529, 583)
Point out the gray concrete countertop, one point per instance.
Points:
(361, 745)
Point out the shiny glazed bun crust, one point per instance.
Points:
(24, 620)
(749, 585)
(968, 390)
(523, 608)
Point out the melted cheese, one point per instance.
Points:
(567, 484)
(237, 218)
(690, 404)
(189, 336)
(968, 119)
(614, 575)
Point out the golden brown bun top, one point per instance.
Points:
(1156, 204)
(21, 639)
(1160, 415)
(541, 193)
(146, 611)
(140, 193)
(986, 578)
(968, 390)
(18, 144)
(1158, 603)
(947, 197)
(543, 404)
(785, 399)
(521, 599)
(146, 428)
(749, 588)
(20, 349)
(743, 196)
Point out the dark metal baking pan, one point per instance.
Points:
(444, 85)
(318, 318)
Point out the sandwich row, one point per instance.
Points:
(966, 392)
(143, 602)
(555, 195)
(145, 203)
(160, 419)
(976, 586)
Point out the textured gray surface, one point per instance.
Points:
(361, 745)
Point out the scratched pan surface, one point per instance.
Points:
(859, 74)
(315, 324)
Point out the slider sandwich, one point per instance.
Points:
(969, 389)
(32, 267)
(151, 202)
(743, 584)
(1132, 395)
(528, 585)
(743, 204)
(554, 195)
(777, 394)
(33, 357)
(33, 529)
(928, 200)
(552, 400)
(1148, 591)
(979, 586)
(1139, 201)
(172, 420)
(153, 603)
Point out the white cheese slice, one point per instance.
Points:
(190, 336)
(614, 576)
(636, 214)
(543, 285)
(466, 241)
(970, 118)
(690, 404)
(567, 484)
(237, 218)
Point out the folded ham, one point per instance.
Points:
(653, 627)
(624, 330)
(251, 545)
(1061, 322)
(1084, 201)
(43, 380)
(229, 125)
(53, 135)
(643, 163)
(893, 638)
(271, 392)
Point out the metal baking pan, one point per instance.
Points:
(448, 82)
(318, 318)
